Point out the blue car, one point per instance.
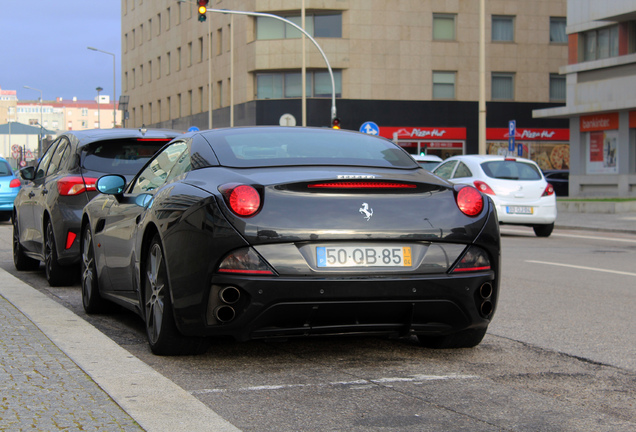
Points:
(9, 188)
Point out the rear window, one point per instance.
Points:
(120, 156)
(5, 169)
(253, 148)
(511, 170)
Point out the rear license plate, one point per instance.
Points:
(363, 256)
(519, 210)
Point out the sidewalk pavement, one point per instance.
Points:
(57, 372)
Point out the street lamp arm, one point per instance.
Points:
(261, 14)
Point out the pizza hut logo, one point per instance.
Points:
(421, 133)
(537, 134)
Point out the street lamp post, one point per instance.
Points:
(260, 14)
(99, 120)
(114, 84)
(41, 120)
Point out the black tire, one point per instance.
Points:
(464, 339)
(163, 336)
(56, 274)
(20, 260)
(91, 299)
(543, 230)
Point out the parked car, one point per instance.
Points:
(48, 209)
(428, 162)
(265, 232)
(9, 188)
(560, 181)
(521, 194)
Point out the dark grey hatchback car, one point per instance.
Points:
(48, 209)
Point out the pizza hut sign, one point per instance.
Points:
(501, 134)
(424, 133)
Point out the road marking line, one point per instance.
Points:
(582, 267)
(356, 384)
(508, 230)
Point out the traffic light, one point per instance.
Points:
(203, 8)
(335, 123)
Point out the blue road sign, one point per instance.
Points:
(512, 130)
(193, 129)
(370, 128)
(520, 150)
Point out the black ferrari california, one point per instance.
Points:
(267, 232)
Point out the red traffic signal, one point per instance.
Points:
(203, 8)
(335, 123)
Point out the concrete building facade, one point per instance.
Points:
(409, 66)
(601, 98)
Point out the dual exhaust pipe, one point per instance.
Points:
(229, 295)
(485, 293)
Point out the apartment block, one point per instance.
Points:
(409, 66)
(601, 98)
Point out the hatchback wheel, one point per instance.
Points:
(56, 274)
(91, 299)
(163, 336)
(20, 260)
(543, 230)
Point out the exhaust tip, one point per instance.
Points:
(230, 295)
(485, 291)
(224, 313)
(486, 308)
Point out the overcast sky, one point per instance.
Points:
(44, 45)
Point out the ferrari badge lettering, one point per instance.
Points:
(366, 211)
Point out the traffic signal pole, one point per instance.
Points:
(261, 14)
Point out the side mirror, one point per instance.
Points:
(27, 173)
(111, 184)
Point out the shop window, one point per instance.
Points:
(557, 30)
(443, 85)
(503, 28)
(557, 88)
(503, 85)
(444, 27)
(317, 25)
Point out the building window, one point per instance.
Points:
(503, 86)
(600, 43)
(443, 85)
(289, 84)
(219, 42)
(557, 88)
(189, 54)
(557, 30)
(503, 28)
(443, 27)
(84, 112)
(168, 63)
(200, 50)
(178, 59)
(149, 70)
(318, 25)
(158, 67)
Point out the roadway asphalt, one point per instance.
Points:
(58, 372)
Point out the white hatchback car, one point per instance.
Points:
(521, 194)
(428, 162)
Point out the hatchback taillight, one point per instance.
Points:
(549, 190)
(482, 186)
(475, 259)
(470, 201)
(15, 183)
(75, 185)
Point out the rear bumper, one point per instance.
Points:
(542, 213)
(284, 307)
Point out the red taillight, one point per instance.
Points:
(244, 261)
(475, 259)
(470, 201)
(75, 185)
(244, 200)
(15, 183)
(70, 238)
(549, 190)
(483, 187)
(361, 185)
